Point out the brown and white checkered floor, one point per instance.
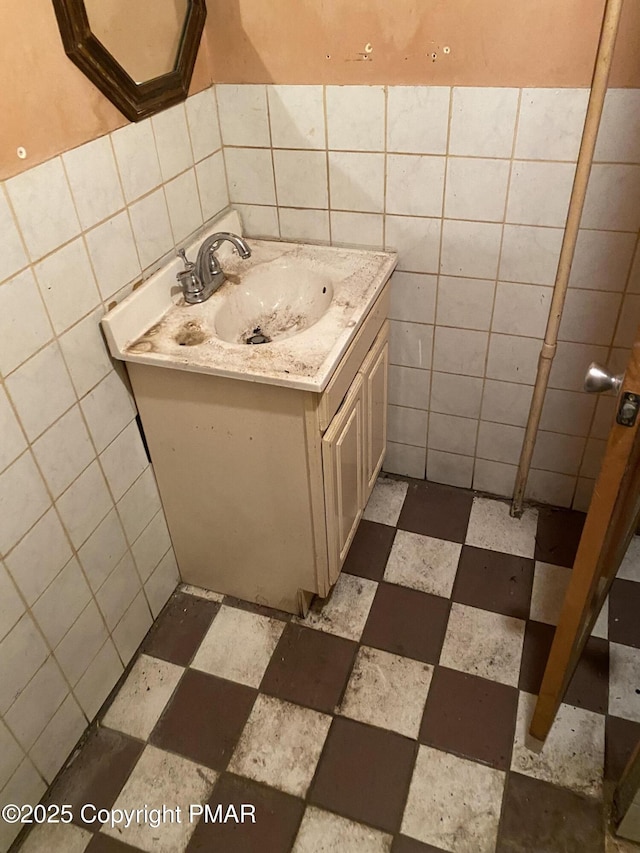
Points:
(392, 718)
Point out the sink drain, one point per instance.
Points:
(257, 337)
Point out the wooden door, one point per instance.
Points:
(612, 519)
(343, 467)
(375, 370)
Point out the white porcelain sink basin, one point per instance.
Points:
(304, 303)
(272, 303)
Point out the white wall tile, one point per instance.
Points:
(212, 185)
(23, 499)
(301, 178)
(81, 643)
(407, 426)
(417, 242)
(103, 550)
(604, 416)
(410, 344)
(550, 123)
(151, 546)
(483, 121)
(415, 184)
(11, 755)
(470, 248)
(41, 390)
(589, 317)
(567, 412)
(619, 134)
(37, 703)
(456, 395)
(452, 434)
(539, 193)
(506, 402)
(202, 118)
(183, 201)
(113, 253)
(594, 451)
(58, 739)
(413, 297)
(356, 181)
(25, 786)
(137, 159)
(513, 359)
(530, 254)
(559, 453)
(365, 102)
(571, 362)
(13, 256)
(297, 116)
(108, 410)
(499, 442)
(357, 229)
(418, 119)
(67, 285)
(172, 141)
(259, 221)
(162, 583)
(602, 260)
(24, 325)
(496, 478)
(64, 451)
(22, 652)
(42, 201)
(84, 504)
(39, 556)
(243, 115)
(583, 494)
(613, 198)
(118, 591)
(85, 353)
(628, 321)
(465, 303)
(449, 468)
(409, 386)
(13, 440)
(404, 459)
(476, 189)
(250, 176)
(151, 227)
(95, 184)
(99, 679)
(124, 460)
(460, 351)
(521, 309)
(132, 628)
(138, 506)
(11, 605)
(551, 488)
(62, 602)
(311, 225)
(634, 277)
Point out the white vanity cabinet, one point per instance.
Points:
(264, 486)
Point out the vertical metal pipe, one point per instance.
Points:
(608, 33)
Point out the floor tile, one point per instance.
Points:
(143, 697)
(404, 844)
(309, 668)
(624, 608)
(179, 629)
(624, 682)
(204, 719)
(201, 592)
(369, 550)
(364, 774)
(277, 818)
(453, 803)
(385, 503)
(470, 717)
(601, 628)
(104, 844)
(621, 738)
(494, 581)
(558, 535)
(52, 837)
(538, 637)
(260, 609)
(322, 832)
(158, 779)
(98, 773)
(540, 816)
(491, 526)
(630, 567)
(483, 643)
(238, 646)
(407, 622)
(423, 563)
(345, 611)
(388, 691)
(549, 587)
(281, 745)
(436, 510)
(573, 753)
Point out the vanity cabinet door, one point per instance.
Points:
(375, 370)
(343, 466)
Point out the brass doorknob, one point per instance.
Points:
(599, 379)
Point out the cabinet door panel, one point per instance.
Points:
(343, 463)
(375, 372)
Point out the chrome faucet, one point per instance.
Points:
(200, 280)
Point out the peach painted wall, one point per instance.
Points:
(491, 42)
(48, 104)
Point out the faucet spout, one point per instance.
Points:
(207, 265)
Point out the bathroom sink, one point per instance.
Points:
(273, 302)
(303, 303)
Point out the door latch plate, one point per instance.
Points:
(628, 409)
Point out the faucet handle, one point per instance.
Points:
(188, 265)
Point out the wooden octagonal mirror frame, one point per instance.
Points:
(135, 100)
